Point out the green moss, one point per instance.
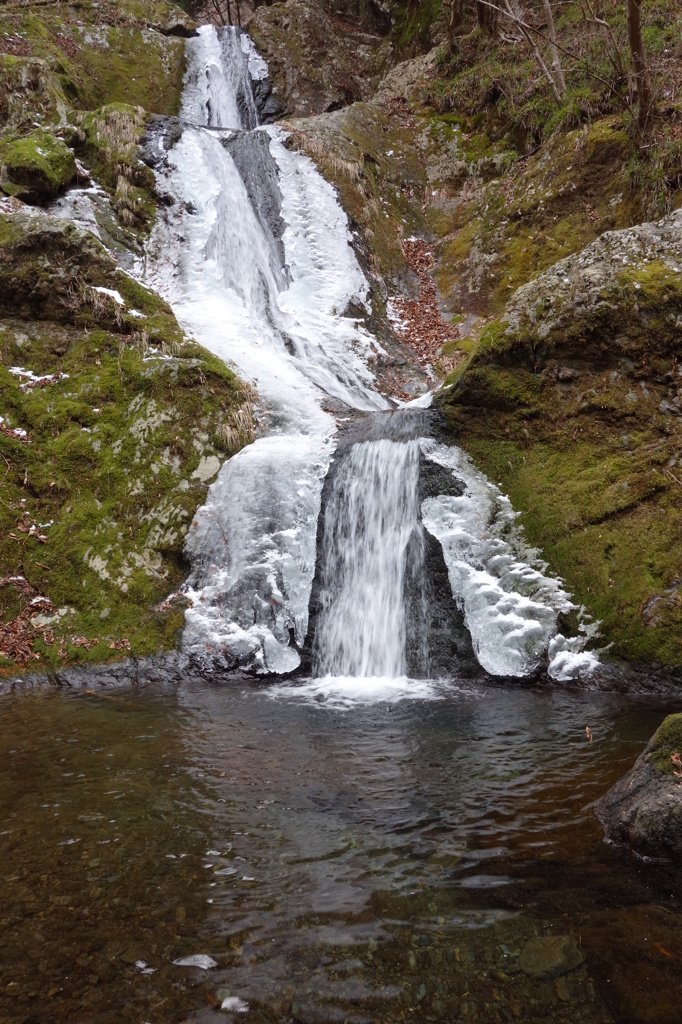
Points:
(587, 462)
(108, 142)
(98, 63)
(35, 167)
(414, 23)
(111, 460)
(666, 741)
(30, 89)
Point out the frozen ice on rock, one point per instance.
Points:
(511, 605)
(285, 334)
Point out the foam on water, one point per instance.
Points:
(345, 692)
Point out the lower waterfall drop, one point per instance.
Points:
(372, 525)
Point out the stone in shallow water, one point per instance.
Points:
(196, 960)
(644, 808)
(549, 956)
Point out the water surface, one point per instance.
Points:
(340, 859)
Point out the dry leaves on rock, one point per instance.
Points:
(18, 636)
(120, 645)
(418, 322)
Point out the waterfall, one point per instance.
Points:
(371, 516)
(264, 286)
(255, 257)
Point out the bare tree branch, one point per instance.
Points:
(556, 60)
(574, 56)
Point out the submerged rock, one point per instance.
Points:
(644, 809)
(549, 956)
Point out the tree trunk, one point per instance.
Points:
(453, 18)
(486, 18)
(556, 59)
(639, 64)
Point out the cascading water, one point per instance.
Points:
(371, 516)
(255, 258)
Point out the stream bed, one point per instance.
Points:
(360, 851)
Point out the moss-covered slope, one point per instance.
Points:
(90, 54)
(113, 426)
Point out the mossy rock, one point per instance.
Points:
(644, 808)
(30, 89)
(52, 270)
(36, 167)
(108, 140)
(570, 401)
(125, 429)
(127, 52)
(666, 740)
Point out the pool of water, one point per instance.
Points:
(340, 855)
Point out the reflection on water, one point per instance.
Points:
(380, 861)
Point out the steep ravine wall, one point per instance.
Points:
(113, 422)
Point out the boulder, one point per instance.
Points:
(643, 811)
(36, 167)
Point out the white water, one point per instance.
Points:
(283, 329)
(371, 516)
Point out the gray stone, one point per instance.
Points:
(549, 956)
(644, 809)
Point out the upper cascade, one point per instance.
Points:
(218, 90)
(215, 257)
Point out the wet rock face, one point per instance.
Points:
(643, 811)
(160, 135)
(319, 60)
(258, 170)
